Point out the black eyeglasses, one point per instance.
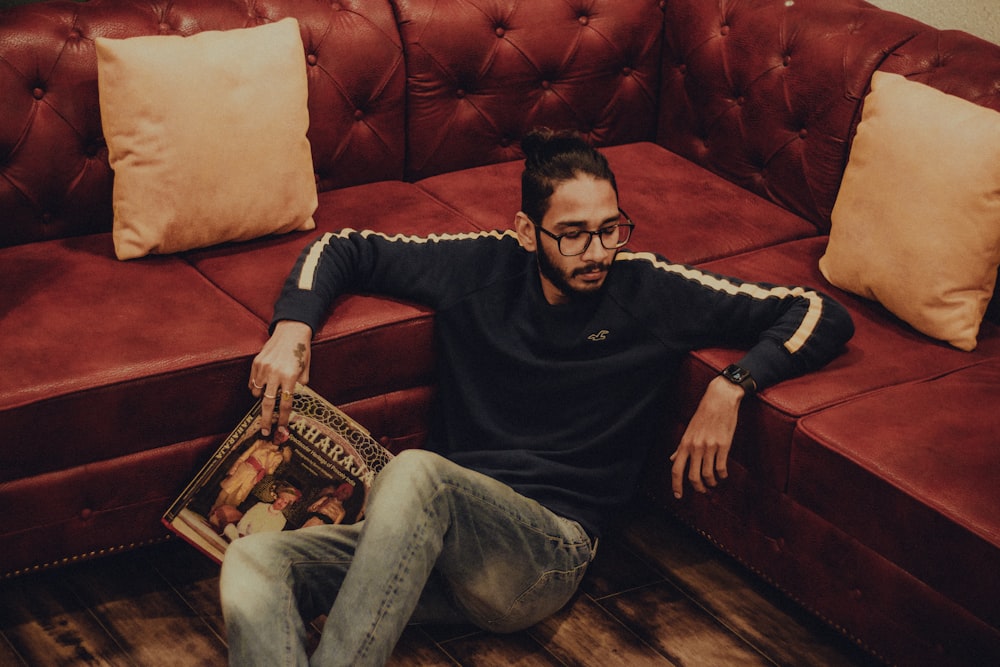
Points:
(577, 241)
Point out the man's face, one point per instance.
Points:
(582, 204)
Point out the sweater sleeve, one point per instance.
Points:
(791, 330)
(786, 330)
(425, 270)
(774, 357)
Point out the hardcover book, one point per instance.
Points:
(321, 472)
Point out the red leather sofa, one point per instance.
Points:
(867, 491)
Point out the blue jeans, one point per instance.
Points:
(439, 544)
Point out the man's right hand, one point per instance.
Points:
(283, 361)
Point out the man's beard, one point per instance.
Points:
(560, 279)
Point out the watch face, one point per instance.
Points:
(736, 374)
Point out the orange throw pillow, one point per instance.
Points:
(916, 224)
(207, 137)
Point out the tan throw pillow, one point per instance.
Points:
(916, 225)
(207, 137)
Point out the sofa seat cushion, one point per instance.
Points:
(921, 491)
(681, 210)
(882, 353)
(111, 356)
(253, 274)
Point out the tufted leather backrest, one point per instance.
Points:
(55, 180)
(951, 61)
(481, 73)
(766, 92)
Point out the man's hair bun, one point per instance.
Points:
(553, 157)
(541, 146)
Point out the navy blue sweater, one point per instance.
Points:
(562, 402)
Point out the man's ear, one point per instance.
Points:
(525, 231)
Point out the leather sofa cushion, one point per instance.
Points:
(881, 353)
(253, 274)
(139, 360)
(102, 357)
(681, 210)
(172, 337)
(922, 492)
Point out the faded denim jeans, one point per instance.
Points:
(439, 544)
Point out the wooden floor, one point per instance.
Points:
(659, 595)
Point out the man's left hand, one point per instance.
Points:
(704, 448)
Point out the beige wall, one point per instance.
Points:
(980, 17)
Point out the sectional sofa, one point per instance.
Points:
(757, 138)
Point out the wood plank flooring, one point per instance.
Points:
(658, 595)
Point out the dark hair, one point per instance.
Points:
(552, 158)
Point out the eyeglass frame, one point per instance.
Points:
(590, 235)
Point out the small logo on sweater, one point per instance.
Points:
(600, 335)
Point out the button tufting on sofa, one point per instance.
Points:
(95, 148)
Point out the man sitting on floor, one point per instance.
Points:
(556, 351)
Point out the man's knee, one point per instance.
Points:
(413, 467)
(410, 481)
(249, 562)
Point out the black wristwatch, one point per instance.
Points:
(741, 376)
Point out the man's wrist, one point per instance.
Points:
(294, 325)
(724, 389)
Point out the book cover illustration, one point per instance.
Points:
(321, 472)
